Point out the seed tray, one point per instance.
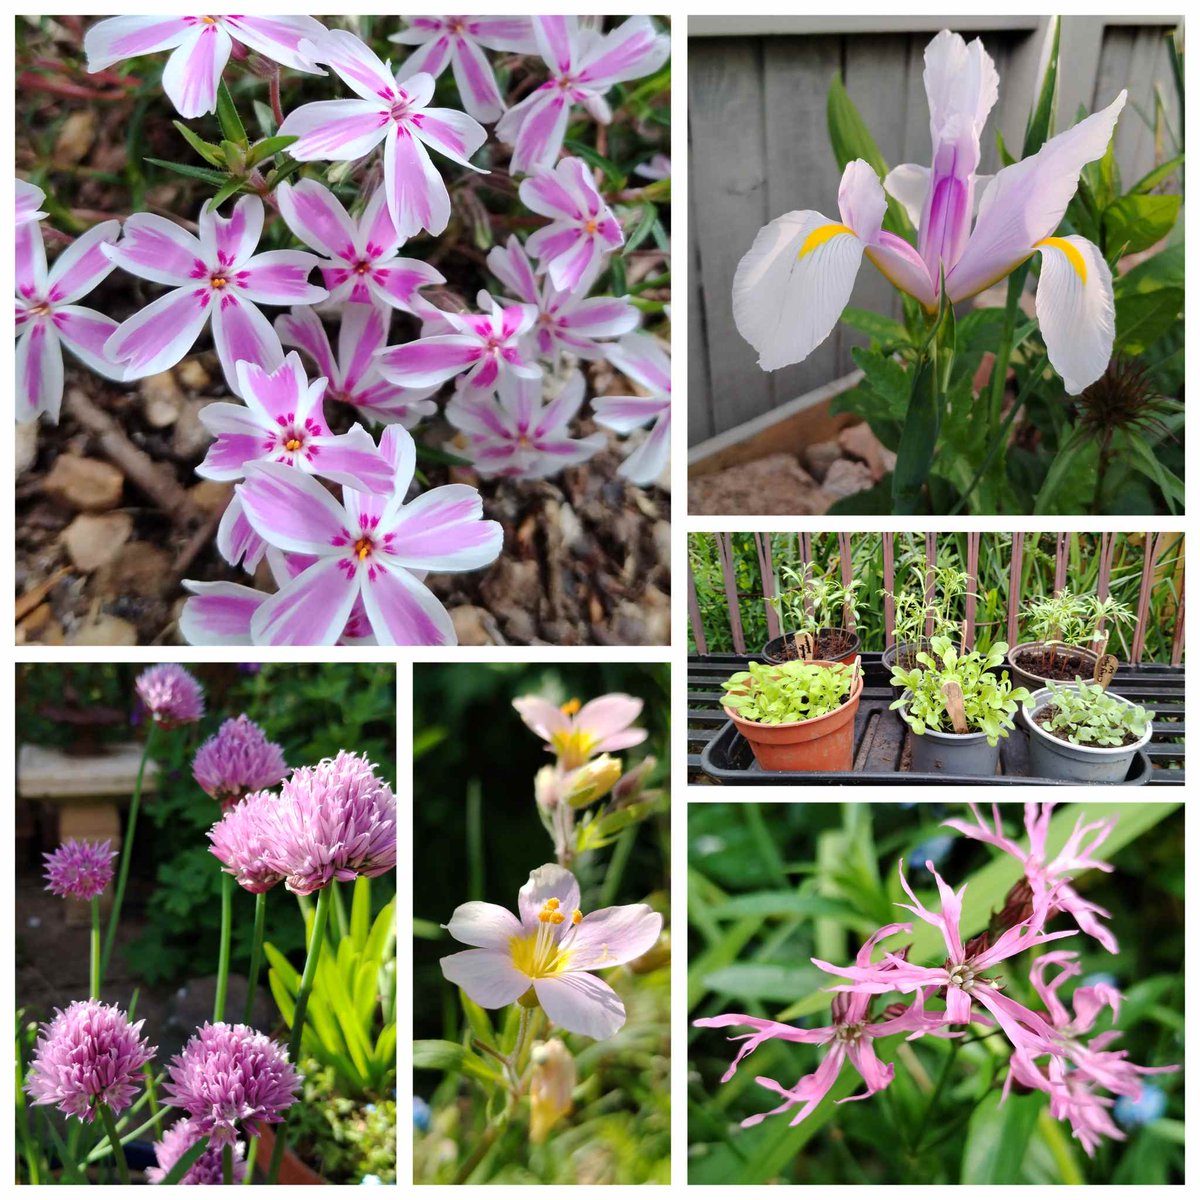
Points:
(718, 753)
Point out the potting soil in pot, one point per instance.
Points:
(1044, 715)
(832, 646)
(1063, 664)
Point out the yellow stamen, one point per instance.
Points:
(591, 227)
(1074, 257)
(552, 903)
(218, 281)
(571, 707)
(362, 548)
(821, 235)
(292, 444)
(576, 917)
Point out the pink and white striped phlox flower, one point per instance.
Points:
(29, 199)
(460, 42)
(200, 49)
(584, 64)
(642, 359)
(216, 275)
(399, 116)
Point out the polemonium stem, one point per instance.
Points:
(260, 922)
(226, 936)
(227, 1164)
(114, 1141)
(114, 917)
(95, 960)
(251, 1155)
(306, 982)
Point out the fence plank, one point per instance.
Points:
(930, 561)
(1143, 602)
(1060, 562)
(889, 587)
(1014, 587)
(972, 585)
(694, 618)
(729, 574)
(766, 570)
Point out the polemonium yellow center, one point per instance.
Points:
(541, 954)
(573, 746)
(821, 235)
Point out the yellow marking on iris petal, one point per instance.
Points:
(1074, 257)
(821, 235)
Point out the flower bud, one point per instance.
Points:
(629, 786)
(550, 1087)
(589, 783)
(546, 788)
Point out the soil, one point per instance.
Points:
(829, 645)
(100, 560)
(1045, 714)
(1061, 663)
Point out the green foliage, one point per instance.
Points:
(989, 700)
(1074, 620)
(810, 602)
(933, 596)
(790, 691)
(351, 1020)
(1086, 715)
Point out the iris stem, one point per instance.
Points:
(126, 854)
(306, 983)
(94, 975)
(260, 922)
(227, 1164)
(226, 936)
(114, 1141)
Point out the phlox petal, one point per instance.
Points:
(280, 277)
(154, 248)
(118, 38)
(311, 610)
(292, 511)
(476, 81)
(301, 327)
(402, 610)
(317, 217)
(338, 130)
(161, 334)
(416, 195)
(630, 51)
(83, 264)
(227, 242)
(279, 38)
(39, 373)
(85, 333)
(359, 67)
(218, 614)
(242, 334)
(193, 71)
(444, 530)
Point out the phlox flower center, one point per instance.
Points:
(41, 309)
(592, 226)
(361, 267)
(294, 438)
(542, 954)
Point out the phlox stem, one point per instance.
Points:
(114, 1141)
(126, 854)
(94, 973)
(260, 921)
(306, 983)
(226, 936)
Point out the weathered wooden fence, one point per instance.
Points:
(759, 147)
(1154, 546)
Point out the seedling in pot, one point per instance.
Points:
(1067, 619)
(929, 602)
(778, 694)
(1086, 715)
(810, 605)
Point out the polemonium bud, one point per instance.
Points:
(550, 1087)
(591, 782)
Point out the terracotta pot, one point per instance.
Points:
(774, 650)
(1035, 683)
(291, 1170)
(818, 744)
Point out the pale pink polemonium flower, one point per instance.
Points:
(360, 257)
(644, 360)
(460, 42)
(283, 421)
(584, 65)
(399, 116)
(482, 347)
(201, 47)
(369, 547)
(849, 1037)
(49, 319)
(791, 287)
(353, 377)
(29, 201)
(1051, 878)
(582, 229)
(517, 433)
(962, 975)
(576, 733)
(218, 275)
(551, 947)
(566, 321)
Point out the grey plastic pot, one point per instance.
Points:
(1024, 679)
(953, 753)
(894, 651)
(1052, 758)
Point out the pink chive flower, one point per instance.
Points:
(336, 820)
(582, 227)
(642, 359)
(397, 115)
(577, 733)
(551, 947)
(79, 870)
(566, 321)
(584, 65)
(29, 201)
(851, 1036)
(222, 614)
(484, 346)
(962, 975)
(48, 317)
(283, 421)
(241, 839)
(353, 376)
(88, 1055)
(237, 760)
(216, 275)
(201, 47)
(360, 262)
(460, 43)
(231, 1078)
(367, 546)
(1051, 878)
(171, 695)
(177, 1141)
(518, 434)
